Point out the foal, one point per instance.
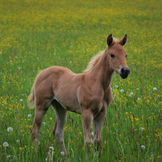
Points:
(88, 93)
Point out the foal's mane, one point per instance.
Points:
(93, 61)
(96, 58)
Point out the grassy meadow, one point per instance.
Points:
(36, 34)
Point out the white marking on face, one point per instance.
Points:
(119, 70)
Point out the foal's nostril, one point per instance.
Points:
(123, 70)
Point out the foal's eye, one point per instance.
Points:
(126, 56)
(112, 55)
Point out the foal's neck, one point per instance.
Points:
(102, 71)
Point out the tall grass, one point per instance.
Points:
(37, 34)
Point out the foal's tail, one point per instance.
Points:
(31, 98)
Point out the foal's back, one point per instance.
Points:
(61, 84)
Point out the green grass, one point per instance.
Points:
(37, 34)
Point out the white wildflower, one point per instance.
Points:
(9, 129)
(29, 115)
(17, 141)
(21, 100)
(51, 148)
(16, 57)
(44, 123)
(19, 68)
(141, 129)
(130, 94)
(5, 144)
(138, 89)
(122, 90)
(92, 133)
(0, 52)
(143, 146)
(138, 98)
(116, 86)
(62, 153)
(154, 88)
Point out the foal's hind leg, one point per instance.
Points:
(97, 126)
(58, 130)
(40, 110)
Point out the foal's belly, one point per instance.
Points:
(73, 110)
(70, 106)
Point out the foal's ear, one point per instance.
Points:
(109, 40)
(123, 41)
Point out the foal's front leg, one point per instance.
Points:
(87, 118)
(97, 126)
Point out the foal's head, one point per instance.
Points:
(117, 56)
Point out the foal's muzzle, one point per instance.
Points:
(124, 73)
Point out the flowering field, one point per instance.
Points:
(36, 34)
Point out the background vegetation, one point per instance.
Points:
(36, 34)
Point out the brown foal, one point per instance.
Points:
(88, 93)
